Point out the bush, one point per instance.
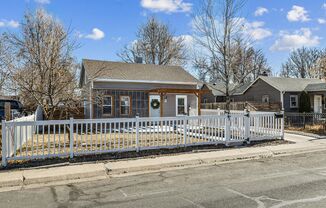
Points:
(304, 102)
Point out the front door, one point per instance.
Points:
(181, 105)
(318, 104)
(154, 106)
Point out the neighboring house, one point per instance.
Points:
(216, 92)
(285, 91)
(115, 89)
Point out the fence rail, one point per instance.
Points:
(67, 138)
(301, 120)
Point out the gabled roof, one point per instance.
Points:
(316, 87)
(290, 84)
(133, 72)
(218, 89)
(283, 84)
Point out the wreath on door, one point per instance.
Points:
(155, 104)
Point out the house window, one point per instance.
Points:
(107, 105)
(205, 100)
(293, 101)
(181, 106)
(125, 105)
(265, 99)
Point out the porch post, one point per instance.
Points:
(161, 101)
(199, 103)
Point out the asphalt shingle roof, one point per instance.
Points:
(290, 84)
(218, 89)
(136, 72)
(316, 87)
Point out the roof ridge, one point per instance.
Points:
(121, 62)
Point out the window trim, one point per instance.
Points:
(112, 103)
(130, 103)
(296, 100)
(185, 103)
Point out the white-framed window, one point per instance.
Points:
(125, 105)
(265, 98)
(293, 101)
(107, 105)
(181, 105)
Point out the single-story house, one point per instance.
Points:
(285, 91)
(115, 89)
(216, 92)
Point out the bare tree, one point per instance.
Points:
(249, 63)
(304, 63)
(217, 31)
(43, 67)
(155, 44)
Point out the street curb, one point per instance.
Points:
(11, 178)
(120, 171)
(53, 174)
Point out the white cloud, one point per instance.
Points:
(321, 21)
(302, 37)
(43, 1)
(168, 6)
(96, 34)
(188, 41)
(324, 6)
(255, 29)
(298, 13)
(260, 11)
(13, 23)
(9, 23)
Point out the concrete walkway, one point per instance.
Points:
(44, 175)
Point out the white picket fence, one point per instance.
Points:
(63, 138)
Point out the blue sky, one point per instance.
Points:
(103, 27)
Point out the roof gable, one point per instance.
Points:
(133, 72)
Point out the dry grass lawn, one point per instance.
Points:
(59, 143)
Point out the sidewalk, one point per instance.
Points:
(303, 144)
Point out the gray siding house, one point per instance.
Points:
(122, 90)
(285, 91)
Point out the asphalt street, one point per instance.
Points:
(291, 181)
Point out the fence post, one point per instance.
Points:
(4, 150)
(282, 125)
(71, 137)
(227, 128)
(185, 130)
(137, 133)
(247, 126)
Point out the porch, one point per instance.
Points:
(174, 102)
